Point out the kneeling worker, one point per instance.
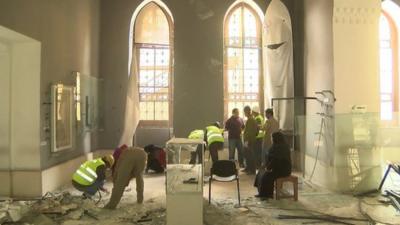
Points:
(131, 163)
(90, 176)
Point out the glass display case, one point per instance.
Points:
(184, 182)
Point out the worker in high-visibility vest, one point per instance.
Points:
(259, 139)
(215, 140)
(271, 126)
(90, 176)
(196, 134)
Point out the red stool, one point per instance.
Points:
(279, 185)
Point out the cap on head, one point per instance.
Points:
(256, 109)
(108, 159)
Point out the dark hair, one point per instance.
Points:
(247, 108)
(106, 161)
(217, 124)
(235, 109)
(269, 111)
(278, 138)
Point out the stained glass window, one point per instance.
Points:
(152, 45)
(243, 48)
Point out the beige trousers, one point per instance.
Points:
(131, 164)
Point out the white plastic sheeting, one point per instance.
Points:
(278, 53)
(149, 25)
(131, 118)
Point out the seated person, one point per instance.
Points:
(155, 158)
(90, 176)
(278, 165)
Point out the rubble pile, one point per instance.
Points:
(66, 209)
(12, 211)
(51, 209)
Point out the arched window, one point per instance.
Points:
(389, 65)
(153, 54)
(242, 51)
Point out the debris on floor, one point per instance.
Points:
(315, 206)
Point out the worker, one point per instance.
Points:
(271, 126)
(90, 176)
(214, 139)
(196, 134)
(250, 133)
(234, 125)
(130, 164)
(259, 138)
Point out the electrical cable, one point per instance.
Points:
(318, 147)
(311, 212)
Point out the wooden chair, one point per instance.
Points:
(279, 185)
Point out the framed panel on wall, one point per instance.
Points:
(62, 117)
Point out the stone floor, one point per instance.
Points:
(66, 207)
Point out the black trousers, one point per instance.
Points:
(250, 157)
(197, 154)
(214, 148)
(258, 152)
(265, 180)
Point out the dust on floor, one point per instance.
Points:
(67, 207)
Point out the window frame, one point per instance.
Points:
(394, 42)
(226, 46)
(136, 48)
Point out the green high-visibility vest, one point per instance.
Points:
(197, 134)
(86, 174)
(214, 134)
(260, 121)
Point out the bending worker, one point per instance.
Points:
(90, 176)
(215, 140)
(131, 163)
(198, 154)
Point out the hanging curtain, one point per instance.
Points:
(278, 53)
(131, 118)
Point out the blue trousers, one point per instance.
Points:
(90, 189)
(233, 145)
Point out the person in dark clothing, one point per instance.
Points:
(234, 125)
(278, 165)
(155, 158)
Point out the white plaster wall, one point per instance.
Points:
(4, 107)
(356, 79)
(356, 54)
(25, 105)
(319, 75)
(20, 102)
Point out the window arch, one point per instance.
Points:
(389, 60)
(243, 83)
(153, 54)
